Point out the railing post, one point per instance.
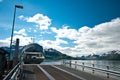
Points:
(93, 71)
(83, 66)
(63, 62)
(107, 72)
(70, 63)
(75, 64)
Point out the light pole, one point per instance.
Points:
(20, 7)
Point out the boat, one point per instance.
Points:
(33, 54)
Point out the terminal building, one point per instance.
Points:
(3, 61)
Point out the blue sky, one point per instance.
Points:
(74, 27)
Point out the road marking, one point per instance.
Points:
(69, 73)
(46, 73)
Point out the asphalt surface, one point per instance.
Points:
(34, 72)
(58, 74)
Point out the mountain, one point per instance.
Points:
(53, 54)
(50, 53)
(110, 55)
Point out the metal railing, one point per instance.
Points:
(14, 73)
(107, 71)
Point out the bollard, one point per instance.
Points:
(107, 72)
(83, 66)
(93, 71)
(75, 64)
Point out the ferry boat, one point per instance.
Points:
(33, 54)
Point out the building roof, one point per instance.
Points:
(2, 51)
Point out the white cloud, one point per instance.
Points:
(42, 21)
(45, 32)
(23, 40)
(60, 41)
(52, 44)
(35, 30)
(21, 35)
(100, 38)
(65, 32)
(21, 17)
(21, 32)
(4, 43)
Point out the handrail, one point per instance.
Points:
(98, 69)
(15, 74)
(7, 77)
(94, 68)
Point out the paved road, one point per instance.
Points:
(58, 74)
(49, 72)
(32, 72)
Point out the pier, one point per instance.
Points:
(47, 72)
(50, 72)
(55, 72)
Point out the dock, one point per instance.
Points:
(53, 71)
(56, 72)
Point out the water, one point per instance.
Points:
(101, 64)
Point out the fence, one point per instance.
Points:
(14, 73)
(106, 71)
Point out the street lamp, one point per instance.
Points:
(20, 7)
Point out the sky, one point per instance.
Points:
(73, 27)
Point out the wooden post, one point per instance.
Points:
(70, 63)
(107, 72)
(75, 64)
(93, 68)
(63, 62)
(83, 66)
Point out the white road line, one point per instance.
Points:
(46, 73)
(69, 73)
